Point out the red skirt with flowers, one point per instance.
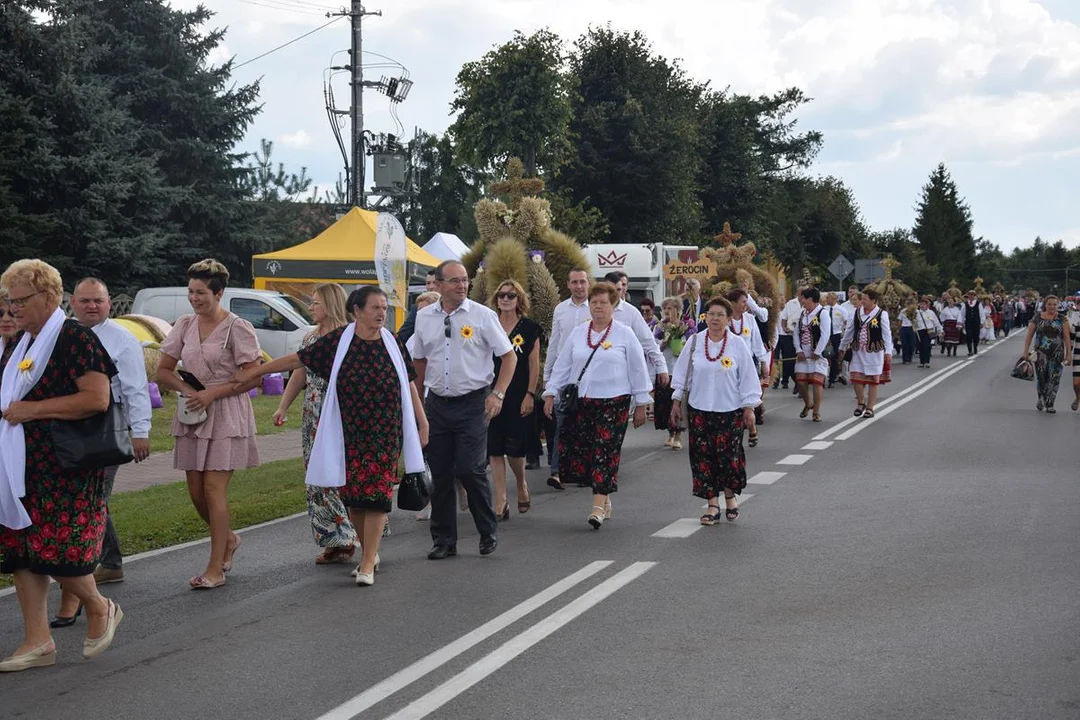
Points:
(590, 445)
(717, 458)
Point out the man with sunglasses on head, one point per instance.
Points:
(92, 305)
(454, 349)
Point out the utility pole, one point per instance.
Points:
(357, 196)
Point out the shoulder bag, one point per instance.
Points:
(99, 441)
(568, 396)
(414, 492)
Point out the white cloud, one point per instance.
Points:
(298, 140)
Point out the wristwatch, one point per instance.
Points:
(499, 394)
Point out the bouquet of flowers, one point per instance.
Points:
(672, 336)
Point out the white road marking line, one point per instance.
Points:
(643, 458)
(183, 546)
(514, 647)
(882, 413)
(817, 445)
(795, 459)
(440, 657)
(681, 528)
(766, 477)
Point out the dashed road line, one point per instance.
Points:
(817, 445)
(795, 459)
(766, 477)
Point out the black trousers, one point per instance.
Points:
(457, 449)
(971, 332)
(837, 359)
(924, 347)
(785, 352)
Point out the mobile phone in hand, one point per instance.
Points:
(191, 380)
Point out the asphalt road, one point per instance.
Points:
(919, 565)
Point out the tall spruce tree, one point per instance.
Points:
(943, 227)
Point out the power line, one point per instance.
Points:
(285, 45)
(283, 8)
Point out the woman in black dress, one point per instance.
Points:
(509, 431)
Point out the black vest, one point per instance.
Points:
(815, 328)
(971, 314)
(875, 340)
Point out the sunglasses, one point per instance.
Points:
(507, 296)
(4, 312)
(446, 326)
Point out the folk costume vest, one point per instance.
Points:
(971, 314)
(815, 326)
(875, 341)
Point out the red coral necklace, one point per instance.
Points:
(723, 347)
(598, 343)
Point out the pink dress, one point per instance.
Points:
(226, 441)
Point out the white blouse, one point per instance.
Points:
(618, 369)
(824, 322)
(747, 328)
(718, 386)
(952, 313)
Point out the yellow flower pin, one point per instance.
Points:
(606, 344)
(26, 365)
(746, 332)
(467, 332)
(726, 362)
(874, 323)
(701, 317)
(517, 340)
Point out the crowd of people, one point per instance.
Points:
(463, 389)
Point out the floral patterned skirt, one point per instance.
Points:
(330, 524)
(590, 444)
(717, 458)
(68, 514)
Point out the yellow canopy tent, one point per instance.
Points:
(344, 253)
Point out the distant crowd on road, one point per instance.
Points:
(463, 388)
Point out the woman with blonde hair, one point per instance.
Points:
(215, 424)
(52, 518)
(508, 432)
(330, 524)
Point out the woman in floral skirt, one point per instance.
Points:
(590, 445)
(365, 426)
(52, 519)
(330, 524)
(724, 388)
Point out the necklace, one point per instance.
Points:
(723, 347)
(738, 331)
(603, 338)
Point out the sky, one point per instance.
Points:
(989, 87)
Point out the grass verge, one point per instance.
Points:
(161, 439)
(161, 516)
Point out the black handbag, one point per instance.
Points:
(414, 491)
(99, 441)
(568, 396)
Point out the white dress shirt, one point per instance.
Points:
(747, 329)
(762, 314)
(630, 316)
(838, 318)
(790, 315)
(849, 311)
(457, 365)
(927, 320)
(616, 370)
(129, 386)
(714, 387)
(567, 316)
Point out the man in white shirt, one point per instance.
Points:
(628, 315)
(568, 314)
(92, 305)
(454, 345)
(838, 318)
(785, 344)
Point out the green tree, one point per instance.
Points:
(635, 132)
(943, 227)
(514, 102)
(914, 269)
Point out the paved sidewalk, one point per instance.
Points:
(158, 468)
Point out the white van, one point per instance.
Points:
(280, 321)
(643, 265)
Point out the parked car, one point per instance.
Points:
(280, 321)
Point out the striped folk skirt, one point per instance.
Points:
(590, 445)
(717, 458)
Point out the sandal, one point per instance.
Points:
(524, 505)
(752, 440)
(731, 513)
(200, 583)
(859, 410)
(817, 417)
(711, 518)
(868, 413)
(596, 519)
(335, 555)
(231, 552)
(555, 482)
(805, 412)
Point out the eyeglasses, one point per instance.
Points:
(456, 281)
(5, 312)
(21, 302)
(716, 316)
(506, 296)
(446, 326)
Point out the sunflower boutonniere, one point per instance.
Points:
(518, 342)
(467, 333)
(815, 321)
(26, 365)
(726, 362)
(874, 323)
(701, 317)
(606, 344)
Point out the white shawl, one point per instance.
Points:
(326, 468)
(14, 386)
